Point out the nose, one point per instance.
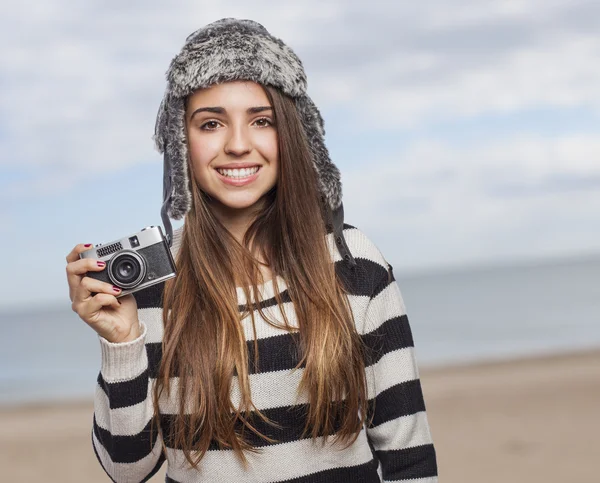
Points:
(238, 143)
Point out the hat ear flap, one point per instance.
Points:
(160, 126)
(171, 139)
(328, 173)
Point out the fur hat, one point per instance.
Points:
(226, 50)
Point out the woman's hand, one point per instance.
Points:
(114, 319)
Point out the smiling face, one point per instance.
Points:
(233, 145)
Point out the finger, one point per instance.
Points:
(77, 249)
(89, 285)
(73, 256)
(90, 309)
(77, 270)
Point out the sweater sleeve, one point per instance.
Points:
(399, 430)
(124, 441)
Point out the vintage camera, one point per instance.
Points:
(134, 262)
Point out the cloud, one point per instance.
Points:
(516, 197)
(81, 85)
(464, 60)
(465, 174)
(412, 88)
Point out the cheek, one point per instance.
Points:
(269, 147)
(202, 151)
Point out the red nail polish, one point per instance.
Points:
(101, 264)
(87, 245)
(116, 289)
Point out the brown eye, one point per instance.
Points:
(263, 122)
(209, 126)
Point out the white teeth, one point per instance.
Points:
(238, 173)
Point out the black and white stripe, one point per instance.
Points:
(396, 445)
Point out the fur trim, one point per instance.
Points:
(226, 50)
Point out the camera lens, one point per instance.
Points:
(127, 269)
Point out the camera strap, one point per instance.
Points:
(164, 214)
(338, 234)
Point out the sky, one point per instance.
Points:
(466, 132)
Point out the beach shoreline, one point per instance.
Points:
(521, 420)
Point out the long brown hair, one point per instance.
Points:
(204, 345)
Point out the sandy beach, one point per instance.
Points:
(528, 420)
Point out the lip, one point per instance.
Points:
(238, 166)
(239, 182)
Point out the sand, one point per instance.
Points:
(528, 420)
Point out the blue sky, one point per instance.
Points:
(466, 131)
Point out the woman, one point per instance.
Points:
(282, 350)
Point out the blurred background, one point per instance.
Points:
(467, 137)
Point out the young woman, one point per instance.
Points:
(282, 350)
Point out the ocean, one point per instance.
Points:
(457, 316)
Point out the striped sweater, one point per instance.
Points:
(395, 446)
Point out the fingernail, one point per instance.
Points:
(101, 264)
(87, 245)
(116, 289)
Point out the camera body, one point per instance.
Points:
(134, 262)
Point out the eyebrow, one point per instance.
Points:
(222, 110)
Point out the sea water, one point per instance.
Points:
(457, 316)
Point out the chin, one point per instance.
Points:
(242, 203)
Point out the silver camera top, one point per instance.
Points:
(145, 237)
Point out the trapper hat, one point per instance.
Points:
(227, 50)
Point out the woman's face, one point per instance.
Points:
(231, 126)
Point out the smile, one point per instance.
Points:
(238, 173)
(238, 177)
